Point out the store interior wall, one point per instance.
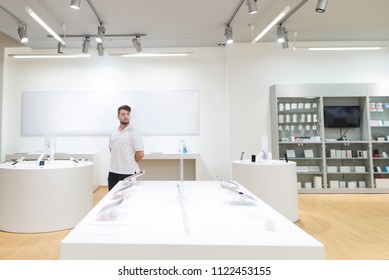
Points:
(204, 71)
(5, 42)
(234, 94)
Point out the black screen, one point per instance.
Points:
(341, 116)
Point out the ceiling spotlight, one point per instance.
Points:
(273, 23)
(75, 4)
(100, 49)
(281, 34)
(228, 34)
(86, 45)
(60, 46)
(285, 44)
(136, 44)
(100, 33)
(22, 30)
(321, 6)
(252, 6)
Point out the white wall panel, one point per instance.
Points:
(155, 112)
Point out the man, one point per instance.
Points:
(126, 148)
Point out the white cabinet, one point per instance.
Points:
(345, 152)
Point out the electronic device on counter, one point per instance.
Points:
(129, 178)
(18, 160)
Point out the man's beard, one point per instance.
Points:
(125, 122)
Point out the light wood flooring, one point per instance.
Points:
(351, 226)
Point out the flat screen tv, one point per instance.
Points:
(341, 116)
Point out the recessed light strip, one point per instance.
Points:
(154, 54)
(354, 48)
(45, 26)
(274, 22)
(49, 55)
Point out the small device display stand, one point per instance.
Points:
(180, 185)
(240, 197)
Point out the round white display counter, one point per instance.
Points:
(46, 198)
(273, 181)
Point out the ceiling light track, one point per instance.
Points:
(282, 34)
(106, 35)
(295, 9)
(235, 12)
(228, 28)
(22, 29)
(95, 11)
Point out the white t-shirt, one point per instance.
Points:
(123, 145)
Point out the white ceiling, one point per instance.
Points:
(198, 23)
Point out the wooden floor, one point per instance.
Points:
(351, 226)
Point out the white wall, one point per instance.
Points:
(204, 70)
(233, 84)
(5, 42)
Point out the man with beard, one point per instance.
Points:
(126, 148)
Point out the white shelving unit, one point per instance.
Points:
(359, 163)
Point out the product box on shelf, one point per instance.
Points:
(332, 169)
(382, 183)
(345, 169)
(359, 169)
(334, 184)
(361, 184)
(317, 182)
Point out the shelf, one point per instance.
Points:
(353, 158)
(347, 142)
(362, 141)
(299, 142)
(348, 173)
(304, 158)
(343, 190)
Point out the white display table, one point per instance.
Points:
(46, 198)
(92, 157)
(154, 220)
(273, 181)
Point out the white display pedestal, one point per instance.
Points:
(92, 157)
(273, 181)
(46, 198)
(157, 220)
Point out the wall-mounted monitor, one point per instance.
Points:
(341, 116)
